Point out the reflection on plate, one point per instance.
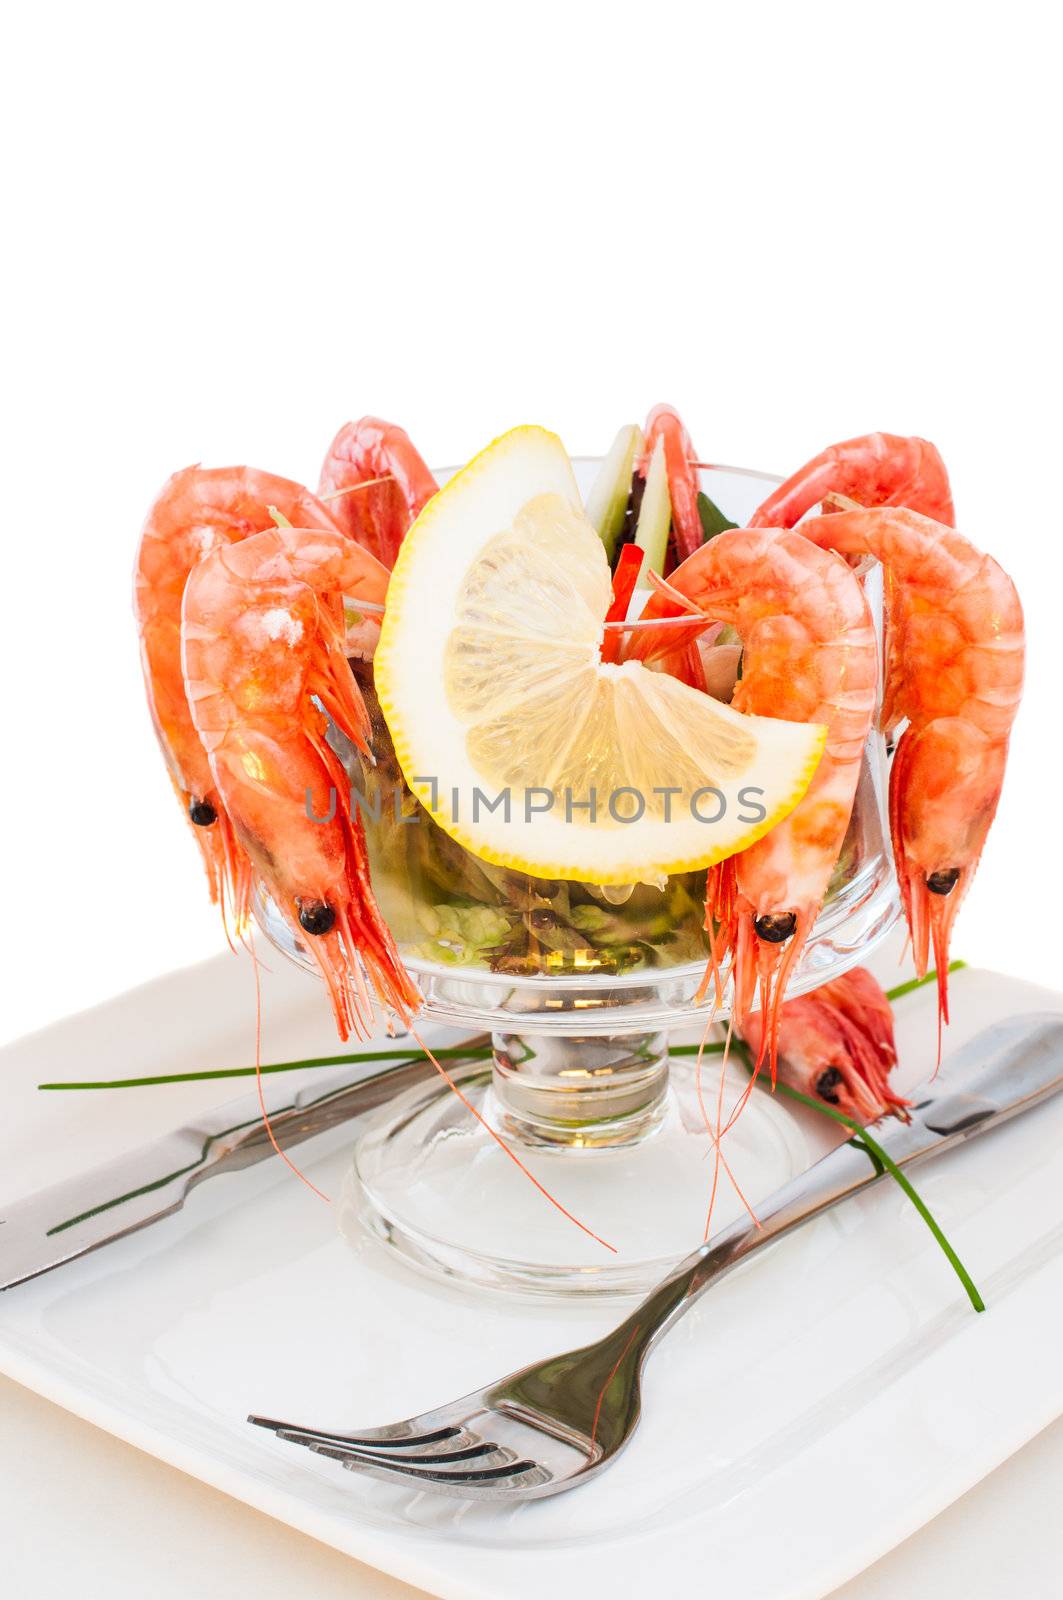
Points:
(809, 1414)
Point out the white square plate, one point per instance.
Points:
(815, 1409)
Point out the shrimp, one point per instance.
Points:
(665, 423)
(810, 655)
(954, 671)
(361, 453)
(836, 1045)
(198, 510)
(876, 469)
(262, 641)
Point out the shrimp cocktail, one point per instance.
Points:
(578, 751)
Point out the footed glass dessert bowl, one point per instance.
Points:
(579, 987)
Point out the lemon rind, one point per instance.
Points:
(631, 870)
(635, 870)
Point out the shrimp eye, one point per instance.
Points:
(776, 927)
(317, 917)
(827, 1083)
(943, 882)
(202, 813)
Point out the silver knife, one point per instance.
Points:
(80, 1214)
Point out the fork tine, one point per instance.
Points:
(450, 1458)
(464, 1464)
(392, 1437)
(465, 1448)
(489, 1482)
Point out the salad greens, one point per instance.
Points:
(445, 905)
(713, 520)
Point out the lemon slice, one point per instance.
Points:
(526, 747)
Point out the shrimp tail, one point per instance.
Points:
(379, 458)
(664, 424)
(876, 469)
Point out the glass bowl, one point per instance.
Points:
(578, 987)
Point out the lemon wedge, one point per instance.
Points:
(525, 746)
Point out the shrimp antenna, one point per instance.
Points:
(507, 1149)
(662, 586)
(258, 1077)
(715, 1134)
(356, 488)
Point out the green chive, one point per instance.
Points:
(470, 1052)
(456, 1052)
(882, 1161)
(917, 983)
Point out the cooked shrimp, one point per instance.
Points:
(836, 1045)
(810, 655)
(954, 670)
(263, 640)
(379, 516)
(877, 469)
(198, 510)
(665, 423)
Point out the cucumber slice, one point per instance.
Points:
(607, 500)
(655, 517)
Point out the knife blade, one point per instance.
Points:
(83, 1213)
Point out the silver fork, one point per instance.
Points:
(558, 1422)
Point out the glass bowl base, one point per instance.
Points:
(433, 1184)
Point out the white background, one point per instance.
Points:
(232, 227)
(230, 230)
